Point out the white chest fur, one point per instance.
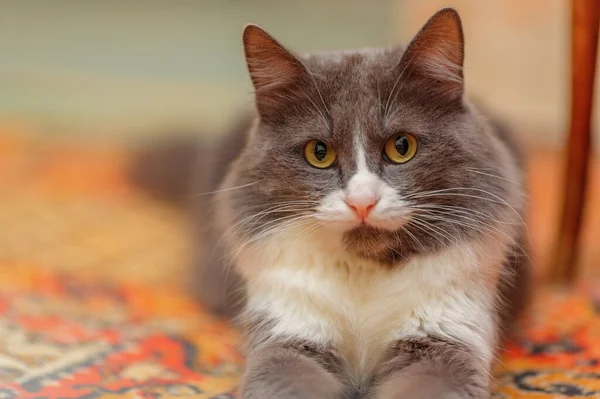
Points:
(316, 291)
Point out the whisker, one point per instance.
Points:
(423, 226)
(449, 191)
(462, 210)
(400, 76)
(260, 226)
(312, 77)
(412, 236)
(307, 231)
(317, 109)
(299, 221)
(476, 227)
(495, 176)
(223, 190)
(255, 218)
(278, 208)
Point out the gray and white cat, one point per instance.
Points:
(368, 222)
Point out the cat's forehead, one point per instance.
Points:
(344, 70)
(353, 83)
(366, 60)
(365, 90)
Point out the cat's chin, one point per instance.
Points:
(370, 242)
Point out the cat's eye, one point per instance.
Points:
(319, 154)
(400, 148)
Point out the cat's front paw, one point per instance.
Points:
(278, 373)
(428, 386)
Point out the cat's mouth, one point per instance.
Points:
(376, 225)
(380, 245)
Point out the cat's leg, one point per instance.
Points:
(292, 371)
(431, 368)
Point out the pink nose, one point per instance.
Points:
(361, 205)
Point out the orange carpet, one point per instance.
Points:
(92, 305)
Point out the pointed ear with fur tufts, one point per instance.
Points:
(277, 75)
(436, 55)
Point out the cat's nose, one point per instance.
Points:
(361, 205)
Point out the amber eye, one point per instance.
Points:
(400, 148)
(319, 154)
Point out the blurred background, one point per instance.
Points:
(113, 69)
(94, 293)
(83, 83)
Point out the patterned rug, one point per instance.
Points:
(91, 304)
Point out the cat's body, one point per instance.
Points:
(381, 274)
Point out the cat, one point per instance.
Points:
(365, 225)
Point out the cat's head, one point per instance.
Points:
(377, 146)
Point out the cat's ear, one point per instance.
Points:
(276, 73)
(436, 54)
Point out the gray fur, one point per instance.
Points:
(280, 372)
(214, 280)
(430, 367)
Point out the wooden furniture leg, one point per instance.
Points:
(584, 42)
